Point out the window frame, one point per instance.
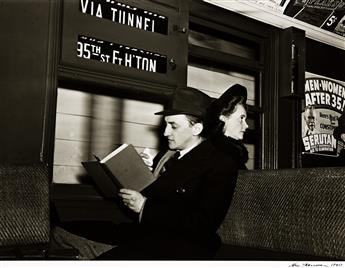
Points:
(264, 68)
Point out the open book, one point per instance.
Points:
(122, 168)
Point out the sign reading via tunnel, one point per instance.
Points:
(125, 14)
(117, 54)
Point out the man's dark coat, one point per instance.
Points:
(184, 208)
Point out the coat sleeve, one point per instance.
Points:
(206, 212)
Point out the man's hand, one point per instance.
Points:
(132, 199)
(147, 157)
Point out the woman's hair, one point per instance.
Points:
(230, 108)
(213, 124)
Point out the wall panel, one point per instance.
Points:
(23, 78)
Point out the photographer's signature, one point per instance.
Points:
(311, 264)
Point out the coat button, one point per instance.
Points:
(181, 190)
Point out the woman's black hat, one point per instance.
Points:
(223, 100)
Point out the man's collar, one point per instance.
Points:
(187, 150)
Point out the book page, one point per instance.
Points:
(116, 151)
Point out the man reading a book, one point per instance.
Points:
(181, 211)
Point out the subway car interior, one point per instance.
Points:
(79, 78)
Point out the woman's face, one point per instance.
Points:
(235, 124)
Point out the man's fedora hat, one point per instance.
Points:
(235, 90)
(189, 101)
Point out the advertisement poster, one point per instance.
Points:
(324, 14)
(324, 104)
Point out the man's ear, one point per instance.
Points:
(197, 129)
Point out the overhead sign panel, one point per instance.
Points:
(125, 14)
(125, 40)
(117, 54)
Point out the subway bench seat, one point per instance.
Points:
(286, 214)
(283, 214)
(25, 214)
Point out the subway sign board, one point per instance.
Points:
(129, 41)
(117, 54)
(121, 13)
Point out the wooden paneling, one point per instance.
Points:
(88, 124)
(23, 78)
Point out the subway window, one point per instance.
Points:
(213, 68)
(89, 124)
